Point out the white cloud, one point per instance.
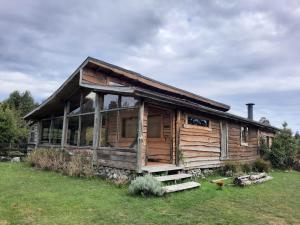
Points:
(40, 88)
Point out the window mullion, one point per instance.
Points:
(79, 120)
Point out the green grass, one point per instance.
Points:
(30, 196)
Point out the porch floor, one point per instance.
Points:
(154, 167)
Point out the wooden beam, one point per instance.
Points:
(97, 125)
(140, 139)
(65, 125)
(177, 147)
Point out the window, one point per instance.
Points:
(45, 131)
(88, 104)
(111, 101)
(73, 130)
(154, 127)
(127, 101)
(87, 127)
(244, 134)
(129, 127)
(198, 121)
(56, 131)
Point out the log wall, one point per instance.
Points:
(200, 146)
(236, 150)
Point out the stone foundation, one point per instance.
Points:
(202, 173)
(116, 174)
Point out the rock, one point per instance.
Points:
(16, 159)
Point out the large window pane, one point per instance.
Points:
(154, 127)
(88, 104)
(75, 104)
(110, 101)
(45, 131)
(127, 101)
(87, 127)
(56, 131)
(73, 130)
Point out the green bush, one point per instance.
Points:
(284, 149)
(146, 186)
(260, 165)
(230, 168)
(246, 168)
(264, 149)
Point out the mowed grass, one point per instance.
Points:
(31, 196)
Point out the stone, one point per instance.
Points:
(16, 159)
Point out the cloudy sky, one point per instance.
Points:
(231, 51)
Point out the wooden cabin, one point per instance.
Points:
(129, 121)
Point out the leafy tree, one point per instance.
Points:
(21, 102)
(297, 137)
(284, 149)
(8, 125)
(265, 121)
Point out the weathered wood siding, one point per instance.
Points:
(200, 146)
(236, 150)
(122, 158)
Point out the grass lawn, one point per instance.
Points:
(30, 196)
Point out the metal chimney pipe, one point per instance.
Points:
(250, 110)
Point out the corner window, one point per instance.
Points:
(198, 121)
(244, 135)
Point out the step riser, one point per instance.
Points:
(176, 177)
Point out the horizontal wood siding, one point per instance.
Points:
(236, 150)
(122, 158)
(200, 146)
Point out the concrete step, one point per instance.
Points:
(181, 187)
(160, 169)
(179, 176)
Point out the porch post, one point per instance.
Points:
(65, 124)
(140, 139)
(97, 125)
(178, 121)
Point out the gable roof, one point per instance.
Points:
(172, 94)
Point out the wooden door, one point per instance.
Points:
(159, 135)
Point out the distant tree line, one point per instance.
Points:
(13, 128)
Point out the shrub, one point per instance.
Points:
(260, 165)
(284, 149)
(61, 161)
(79, 166)
(230, 168)
(264, 149)
(246, 168)
(146, 186)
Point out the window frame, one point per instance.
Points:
(208, 128)
(241, 135)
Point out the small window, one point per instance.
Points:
(129, 127)
(154, 127)
(198, 121)
(111, 101)
(127, 101)
(244, 134)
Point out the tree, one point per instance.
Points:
(8, 126)
(265, 121)
(284, 149)
(21, 102)
(297, 137)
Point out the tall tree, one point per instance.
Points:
(8, 125)
(284, 148)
